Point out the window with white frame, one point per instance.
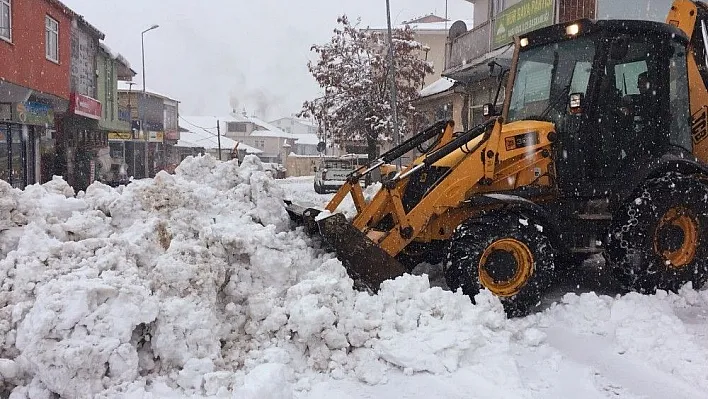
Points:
(52, 39)
(6, 20)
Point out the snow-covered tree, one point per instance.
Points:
(353, 71)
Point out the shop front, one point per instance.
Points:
(127, 151)
(156, 152)
(121, 168)
(172, 154)
(25, 140)
(80, 141)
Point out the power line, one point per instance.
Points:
(203, 128)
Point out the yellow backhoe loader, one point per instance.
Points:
(598, 149)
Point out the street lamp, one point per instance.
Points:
(142, 118)
(392, 71)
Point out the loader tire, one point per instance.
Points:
(658, 238)
(507, 253)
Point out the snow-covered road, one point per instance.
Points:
(194, 285)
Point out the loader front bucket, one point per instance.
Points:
(366, 263)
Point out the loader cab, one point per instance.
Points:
(616, 91)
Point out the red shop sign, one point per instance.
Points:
(85, 106)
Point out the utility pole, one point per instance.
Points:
(144, 102)
(218, 137)
(392, 68)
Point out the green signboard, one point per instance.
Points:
(522, 17)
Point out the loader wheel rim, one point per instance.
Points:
(676, 237)
(505, 267)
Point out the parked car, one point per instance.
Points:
(331, 173)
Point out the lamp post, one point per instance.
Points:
(130, 118)
(142, 118)
(392, 71)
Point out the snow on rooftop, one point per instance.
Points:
(119, 57)
(205, 140)
(107, 49)
(270, 133)
(191, 122)
(197, 137)
(302, 121)
(136, 87)
(269, 129)
(307, 139)
(439, 86)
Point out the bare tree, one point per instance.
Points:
(353, 71)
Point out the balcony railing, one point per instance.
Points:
(468, 46)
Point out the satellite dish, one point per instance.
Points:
(457, 29)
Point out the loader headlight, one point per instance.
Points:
(524, 41)
(572, 30)
(576, 100)
(576, 103)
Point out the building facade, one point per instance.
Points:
(431, 31)
(154, 116)
(115, 120)
(35, 48)
(306, 133)
(274, 143)
(78, 134)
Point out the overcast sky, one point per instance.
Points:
(214, 54)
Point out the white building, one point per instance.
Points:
(273, 143)
(201, 141)
(304, 130)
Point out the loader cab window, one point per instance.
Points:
(547, 75)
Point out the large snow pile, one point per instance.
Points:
(194, 284)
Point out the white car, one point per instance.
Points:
(330, 174)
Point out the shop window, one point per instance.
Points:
(52, 39)
(6, 20)
(117, 151)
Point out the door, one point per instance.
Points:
(640, 110)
